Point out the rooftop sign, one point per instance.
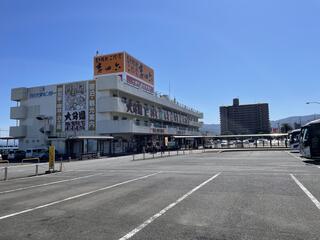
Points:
(123, 62)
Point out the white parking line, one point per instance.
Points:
(163, 211)
(296, 157)
(306, 191)
(76, 196)
(50, 183)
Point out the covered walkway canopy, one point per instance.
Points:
(241, 136)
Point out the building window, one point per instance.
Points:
(124, 118)
(115, 117)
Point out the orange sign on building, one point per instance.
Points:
(139, 70)
(123, 62)
(111, 63)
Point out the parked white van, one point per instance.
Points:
(34, 152)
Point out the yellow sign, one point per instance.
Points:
(123, 62)
(52, 157)
(112, 63)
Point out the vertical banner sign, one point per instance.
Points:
(59, 107)
(51, 157)
(92, 106)
(75, 106)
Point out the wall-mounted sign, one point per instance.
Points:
(75, 110)
(92, 106)
(59, 108)
(38, 92)
(139, 84)
(158, 130)
(142, 109)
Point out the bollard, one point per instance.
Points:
(177, 152)
(153, 154)
(6, 173)
(132, 157)
(69, 158)
(60, 166)
(37, 169)
(161, 153)
(169, 153)
(144, 155)
(183, 152)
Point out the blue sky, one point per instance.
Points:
(211, 51)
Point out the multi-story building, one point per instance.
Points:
(118, 103)
(244, 119)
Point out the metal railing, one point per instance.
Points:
(26, 170)
(30, 159)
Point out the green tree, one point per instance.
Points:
(285, 127)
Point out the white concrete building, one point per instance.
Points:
(118, 102)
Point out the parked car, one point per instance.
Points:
(44, 155)
(209, 144)
(16, 155)
(4, 155)
(34, 152)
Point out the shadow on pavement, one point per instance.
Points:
(314, 162)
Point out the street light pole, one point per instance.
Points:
(313, 103)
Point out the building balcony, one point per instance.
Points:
(115, 83)
(133, 127)
(18, 131)
(196, 124)
(121, 126)
(18, 112)
(110, 104)
(19, 94)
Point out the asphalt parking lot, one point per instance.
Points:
(231, 195)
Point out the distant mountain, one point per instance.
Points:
(215, 128)
(210, 129)
(295, 119)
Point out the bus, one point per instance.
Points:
(294, 139)
(310, 140)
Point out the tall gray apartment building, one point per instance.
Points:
(244, 119)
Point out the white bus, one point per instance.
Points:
(310, 140)
(294, 139)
